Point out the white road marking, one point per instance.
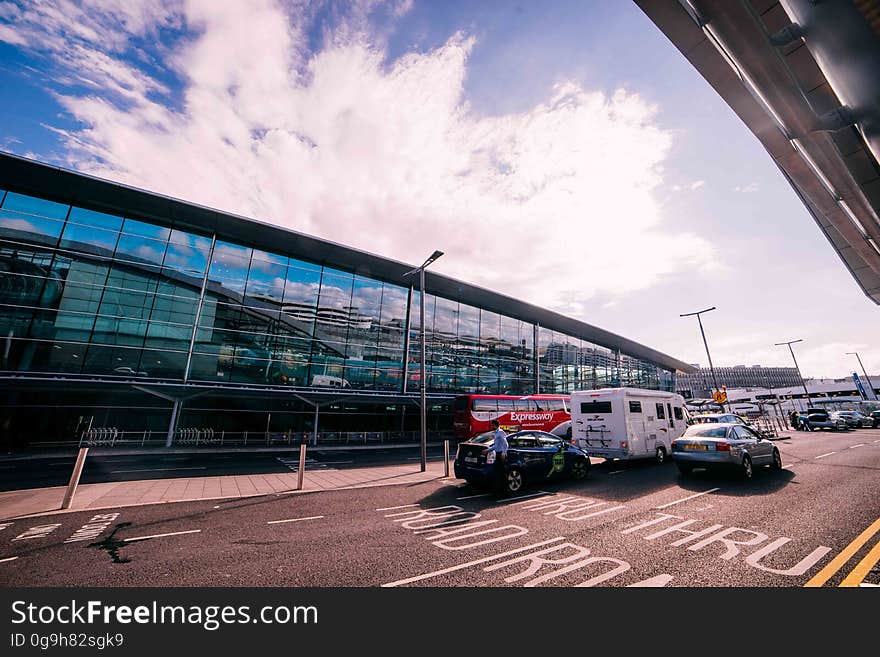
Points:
(37, 532)
(4, 525)
(616, 472)
(391, 508)
(659, 580)
(523, 497)
(8, 559)
(155, 470)
(859, 445)
(468, 564)
(275, 522)
(470, 497)
(877, 441)
(705, 492)
(824, 455)
(144, 538)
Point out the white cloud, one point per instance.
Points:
(747, 189)
(555, 204)
(692, 186)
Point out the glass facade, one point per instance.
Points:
(110, 298)
(88, 293)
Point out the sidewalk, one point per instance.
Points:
(111, 495)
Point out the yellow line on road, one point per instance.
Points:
(845, 555)
(858, 573)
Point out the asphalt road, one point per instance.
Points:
(625, 525)
(44, 472)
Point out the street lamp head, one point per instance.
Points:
(699, 312)
(432, 258)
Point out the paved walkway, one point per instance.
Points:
(38, 501)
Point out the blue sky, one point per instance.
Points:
(564, 152)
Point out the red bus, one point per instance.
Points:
(473, 414)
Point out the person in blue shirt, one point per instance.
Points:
(499, 446)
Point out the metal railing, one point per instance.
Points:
(211, 437)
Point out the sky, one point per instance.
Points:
(561, 152)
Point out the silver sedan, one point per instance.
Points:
(724, 445)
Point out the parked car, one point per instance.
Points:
(854, 419)
(875, 418)
(724, 445)
(820, 419)
(531, 456)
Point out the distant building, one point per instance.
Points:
(700, 383)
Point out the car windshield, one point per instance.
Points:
(706, 432)
(705, 420)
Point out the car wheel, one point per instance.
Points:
(514, 480)
(747, 467)
(660, 456)
(685, 469)
(777, 460)
(580, 469)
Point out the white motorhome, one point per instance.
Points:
(627, 423)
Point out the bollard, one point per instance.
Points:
(74, 477)
(302, 466)
(446, 458)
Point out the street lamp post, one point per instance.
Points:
(422, 378)
(867, 378)
(706, 344)
(801, 376)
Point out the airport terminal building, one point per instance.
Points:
(131, 317)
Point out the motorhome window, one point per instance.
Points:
(635, 407)
(596, 407)
(485, 405)
(661, 415)
(678, 414)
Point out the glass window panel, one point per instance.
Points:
(35, 206)
(266, 256)
(142, 229)
(230, 265)
(22, 226)
(95, 219)
(87, 239)
(162, 364)
(334, 310)
(189, 239)
(366, 312)
(266, 281)
(209, 367)
(43, 356)
(140, 249)
(186, 259)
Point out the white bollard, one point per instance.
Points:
(74, 477)
(302, 466)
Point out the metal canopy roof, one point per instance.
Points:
(787, 74)
(55, 183)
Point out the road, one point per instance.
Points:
(44, 472)
(640, 524)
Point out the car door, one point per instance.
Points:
(749, 444)
(556, 460)
(763, 447)
(528, 455)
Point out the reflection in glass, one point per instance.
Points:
(35, 206)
